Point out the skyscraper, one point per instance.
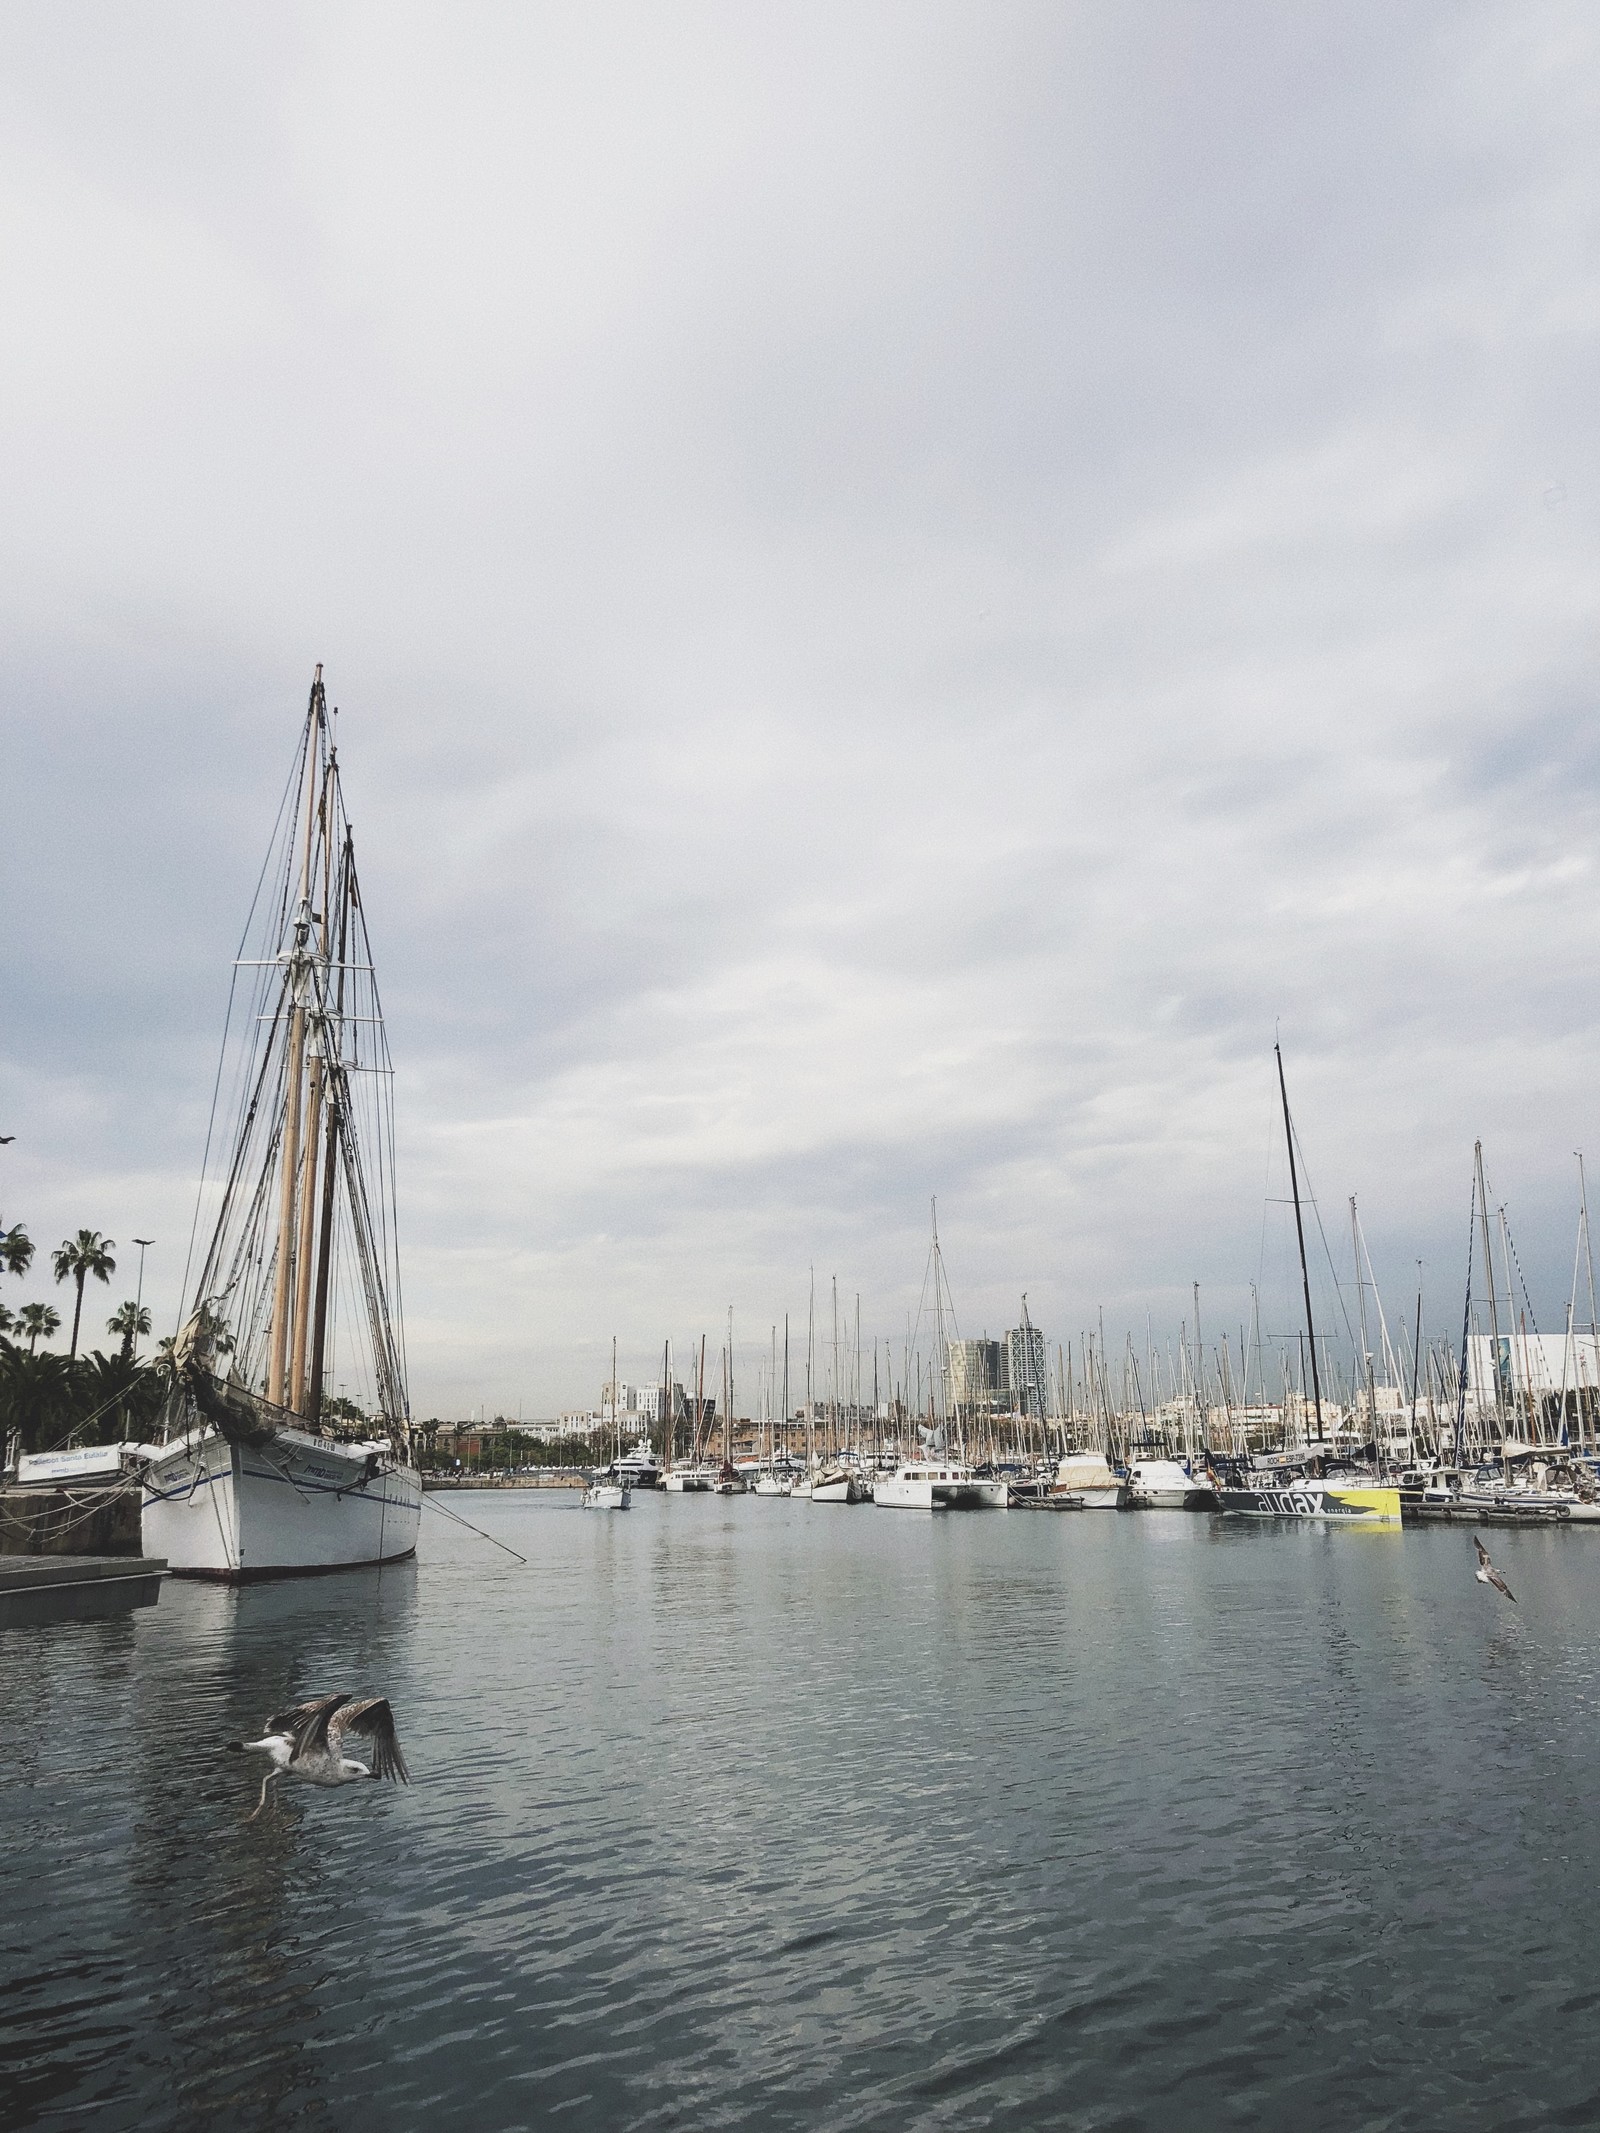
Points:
(1028, 1371)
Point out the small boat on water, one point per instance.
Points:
(690, 1481)
(940, 1485)
(769, 1482)
(267, 1469)
(606, 1494)
(839, 1484)
(1164, 1485)
(639, 1468)
(1091, 1477)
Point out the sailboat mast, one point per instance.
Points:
(283, 1277)
(1300, 1234)
(1488, 1268)
(319, 1316)
(304, 1265)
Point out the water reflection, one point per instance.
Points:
(739, 1813)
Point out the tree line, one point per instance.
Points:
(47, 1397)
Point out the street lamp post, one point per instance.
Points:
(142, 1242)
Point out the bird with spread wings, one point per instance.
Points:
(1486, 1573)
(307, 1742)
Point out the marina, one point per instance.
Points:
(660, 1840)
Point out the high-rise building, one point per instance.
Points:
(1028, 1371)
(977, 1374)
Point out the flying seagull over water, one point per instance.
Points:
(1486, 1573)
(307, 1742)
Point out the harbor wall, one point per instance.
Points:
(68, 1521)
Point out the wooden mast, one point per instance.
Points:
(319, 1316)
(304, 1265)
(283, 1278)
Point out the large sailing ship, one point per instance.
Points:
(286, 1444)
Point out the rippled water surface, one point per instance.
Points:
(757, 1813)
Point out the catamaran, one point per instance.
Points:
(264, 1469)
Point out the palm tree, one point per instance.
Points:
(6, 1320)
(131, 1320)
(16, 1250)
(80, 1256)
(38, 1322)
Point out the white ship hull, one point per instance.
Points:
(302, 1504)
(923, 1487)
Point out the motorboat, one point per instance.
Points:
(604, 1494)
(638, 1468)
(1091, 1476)
(940, 1485)
(771, 1483)
(1164, 1485)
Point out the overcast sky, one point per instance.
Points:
(907, 587)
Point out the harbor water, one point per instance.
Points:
(756, 1814)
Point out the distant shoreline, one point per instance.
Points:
(558, 1477)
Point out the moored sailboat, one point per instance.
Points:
(264, 1471)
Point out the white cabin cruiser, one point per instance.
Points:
(1164, 1485)
(939, 1485)
(1091, 1477)
(638, 1468)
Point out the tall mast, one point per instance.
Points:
(319, 1316)
(811, 1349)
(283, 1277)
(700, 1400)
(1300, 1234)
(304, 1266)
(786, 1384)
(1488, 1269)
(833, 1379)
(1361, 1319)
(1594, 1332)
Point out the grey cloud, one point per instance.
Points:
(904, 588)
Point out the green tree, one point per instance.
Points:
(38, 1322)
(16, 1250)
(80, 1256)
(114, 1396)
(132, 1321)
(36, 1398)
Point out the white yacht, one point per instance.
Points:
(690, 1481)
(638, 1468)
(939, 1485)
(1090, 1477)
(604, 1494)
(769, 1482)
(1163, 1485)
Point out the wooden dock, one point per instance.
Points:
(74, 1588)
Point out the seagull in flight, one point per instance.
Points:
(1486, 1573)
(307, 1742)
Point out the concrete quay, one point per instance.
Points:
(75, 1588)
